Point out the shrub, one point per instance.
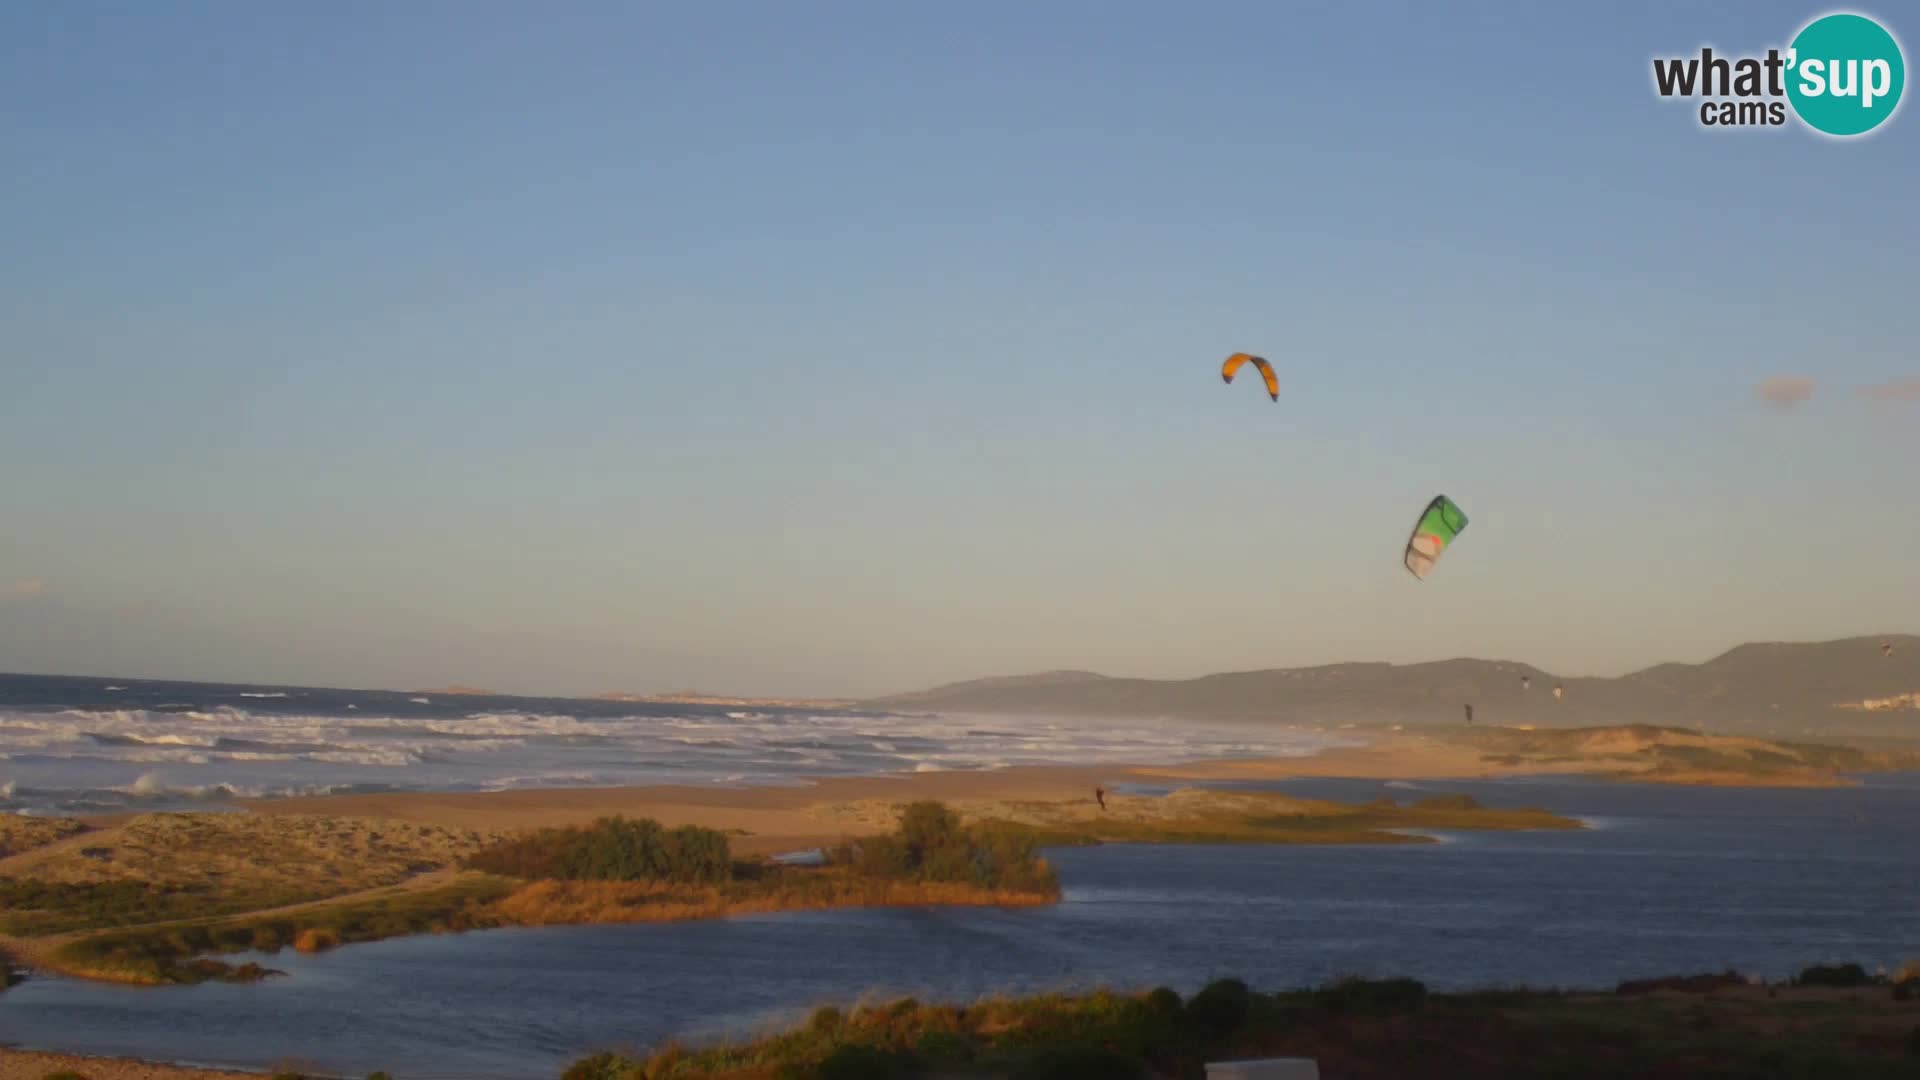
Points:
(1692, 984)
(943, 1046)
(1080, 1063)
(1833, 975)
(928, 826)
(1220, 1007)
(602, 1066)
(315, 940)
(1164, 1000)
(932, 845)
(860, 1063)
(1372, 997)
(613, 849)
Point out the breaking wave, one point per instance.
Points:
(59, 757)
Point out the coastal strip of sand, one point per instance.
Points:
(772, 819)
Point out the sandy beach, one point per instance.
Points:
(771, 819)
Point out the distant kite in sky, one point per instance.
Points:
(1237, 360)
(1440, 523)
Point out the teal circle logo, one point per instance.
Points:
(1845, 74)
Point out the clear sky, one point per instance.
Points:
(848, 347)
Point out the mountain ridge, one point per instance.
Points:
(1803, 687)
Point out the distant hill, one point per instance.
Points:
(1846, 686)
(696, 697)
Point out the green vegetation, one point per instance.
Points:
(930, 858)
(37, 908)
(615, 870)
(163, 954)
(1357, 1029)
(1844, 975)
(612, 849)
(932, 846)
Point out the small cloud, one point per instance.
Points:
(22, 589)
(1785, 391)
(1898, 390)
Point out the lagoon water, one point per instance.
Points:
(1668, 880)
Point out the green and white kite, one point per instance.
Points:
(1439, 525)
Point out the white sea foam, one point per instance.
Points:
(187, 750)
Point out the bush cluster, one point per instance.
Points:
(932, 845)
(613, 849)
(1843, 975)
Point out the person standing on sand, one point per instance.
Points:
(1100, 796)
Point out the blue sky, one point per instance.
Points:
(849, 347)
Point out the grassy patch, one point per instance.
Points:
(550, 903)
(164, 954)
(20, 833)
(37, 908)
(164, 867)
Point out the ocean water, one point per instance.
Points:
(1666, 880)
(71, 745)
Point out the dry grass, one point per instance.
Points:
(169, 866)
(1653, 754)
(321, 855)
(553, 903)
(19, 833)
(164, 952)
